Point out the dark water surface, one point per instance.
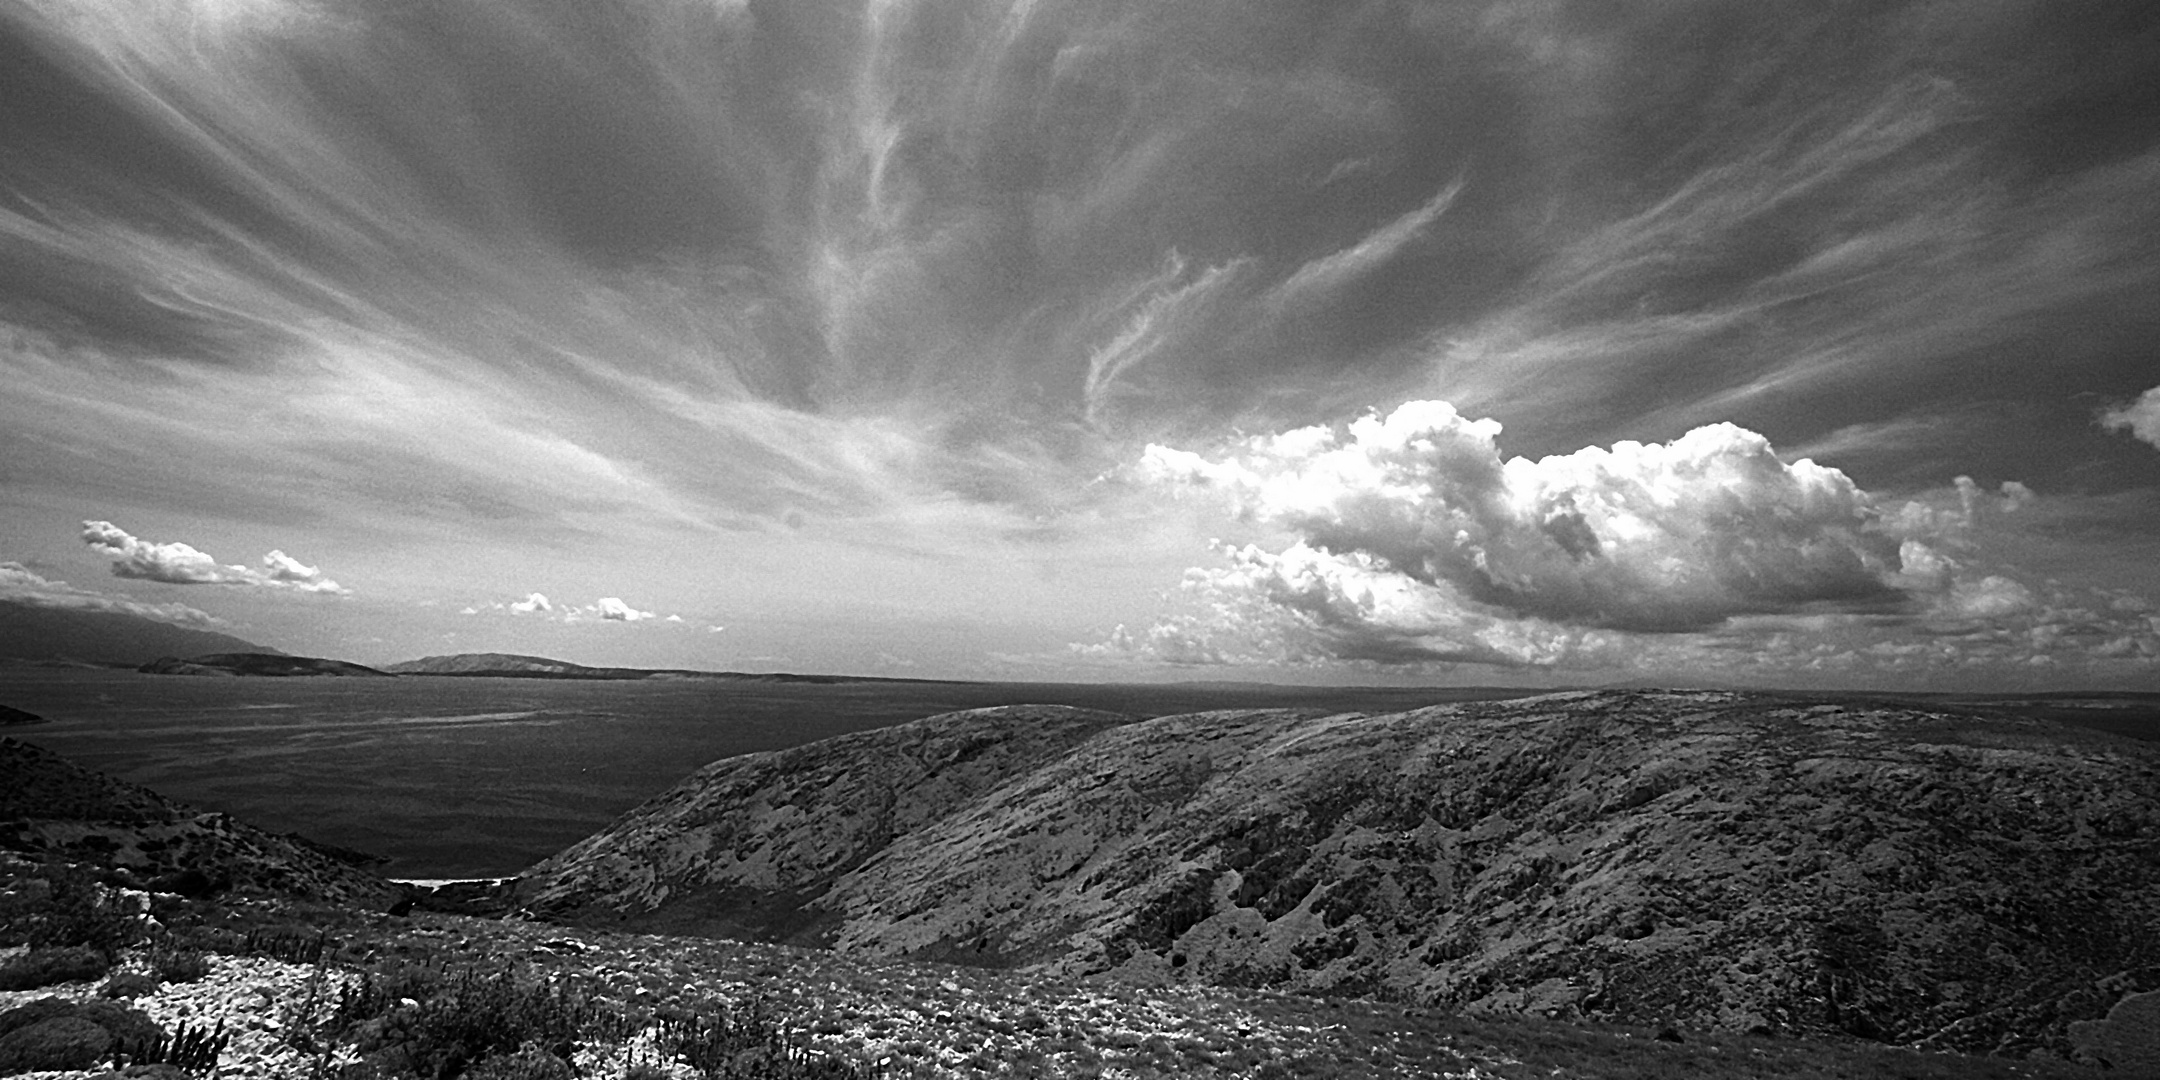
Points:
(457, 777)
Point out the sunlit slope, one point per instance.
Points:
(1749, 862)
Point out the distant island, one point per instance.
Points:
(514, 666)
(276, 665)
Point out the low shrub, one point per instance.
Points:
(62, 1042)
(414, 1020)
(748, 1044)
(530, 1062)
(179, 965)
(50, 966)
(44, 1008)
(129, 984)
(53, 1033)
(188, 1049)
(79, 911)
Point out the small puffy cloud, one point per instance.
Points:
(284, 570)
(2141, 418)
(21, 584)
(612, 608)
(606, 609)
(176, 563)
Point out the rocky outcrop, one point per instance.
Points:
(51, 807)
(1739, 861)
(2128, 1040)
(275, 665)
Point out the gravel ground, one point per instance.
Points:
(245, 994)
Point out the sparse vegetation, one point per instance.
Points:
(73, 909)
(52, 965)
(129, 984)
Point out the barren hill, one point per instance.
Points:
(1739, 861)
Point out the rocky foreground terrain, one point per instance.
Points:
(1724, 861)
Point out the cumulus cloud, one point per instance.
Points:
(176, 563)
(22, 585)
(2141, 418)
(612, 608)
(1409, 539)
(1417, 509)
(605, 609)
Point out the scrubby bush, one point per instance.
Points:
(62, 1042)
(190, 1049)
(77, 910)
(49, 966)
(129, 984)
(44, 1008)
(54, 1033)
(411, 1020)
(747, 1044)
(180, 965)
(530, 1062)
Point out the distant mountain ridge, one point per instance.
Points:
(1741, 861)
(60, 634)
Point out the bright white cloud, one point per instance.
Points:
(176, 563)
(605, 609)
(283, 569)
(2141, 418)
(23, 585)
(1410, 540)
(612, 608)
(1416, 510)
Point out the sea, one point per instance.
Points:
(457, 777)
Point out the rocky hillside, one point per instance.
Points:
(50, 806)
(1734, 861)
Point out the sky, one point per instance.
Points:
(1523, 342)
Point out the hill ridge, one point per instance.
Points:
(1737, 860)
